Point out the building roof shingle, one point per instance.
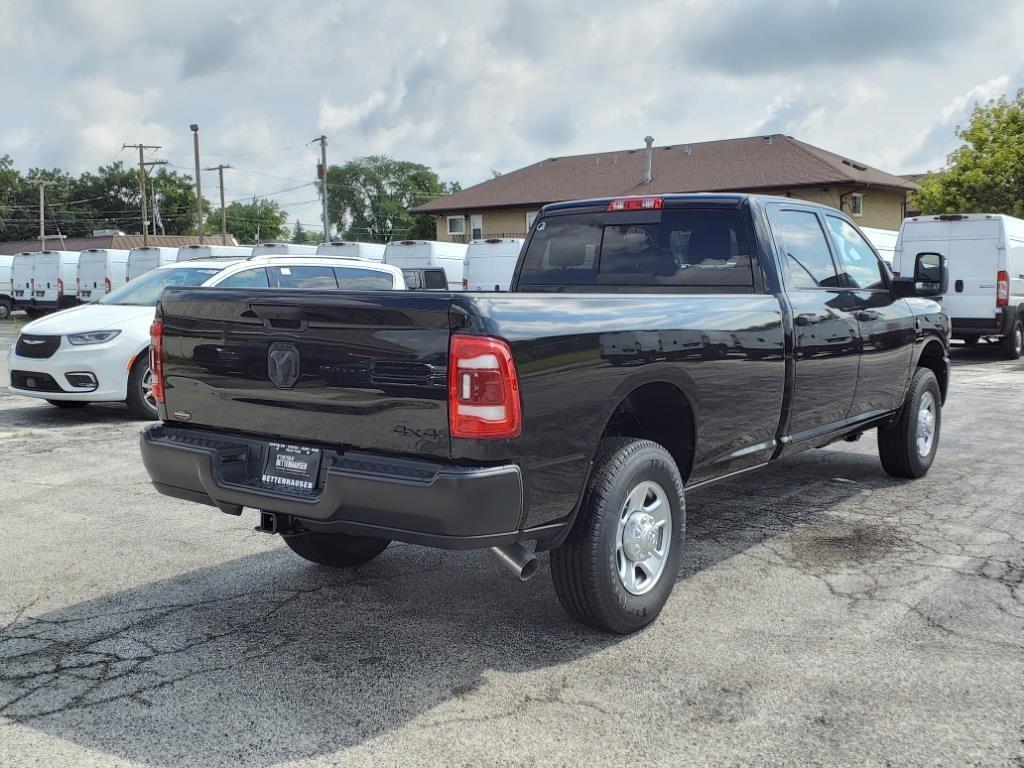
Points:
(755, 163)
(121, 242)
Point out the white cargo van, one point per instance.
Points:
(6, 286)
(23, 267)
(429, 253)
(283, 249)
(148, 257)
(985, 298)
(187, 252)
(884, 241)
(351, 250)
(490, 263)
(101, 270)
(55, 280)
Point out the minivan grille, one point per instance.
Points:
(30, 345)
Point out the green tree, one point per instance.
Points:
(299, 234)
(986, 174)
(258, 221)
(370, 198)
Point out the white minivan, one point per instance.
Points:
(490, 263)
(146, 258)
(429, 253)
(348, 249)
(985, 251)
(101, 270)
(55, 280)
(23, 267)
(213, 251)
(283, 249)
(6, 285)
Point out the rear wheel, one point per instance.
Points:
(335, 550)
(907, 447)
(1013, 344)
(5, 309)
(141, 403)
(618, 567)
(68, 404)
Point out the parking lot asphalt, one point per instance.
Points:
(826, 614)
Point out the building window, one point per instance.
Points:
(456, 225)
(476, 226)
(530, 217)
(856, 204)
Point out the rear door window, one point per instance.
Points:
(435, 279)
(308, 278)
(250, 278)
(807, 254)
(360, 279)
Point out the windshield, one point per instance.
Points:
(145, 291)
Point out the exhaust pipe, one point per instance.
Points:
(518, 559)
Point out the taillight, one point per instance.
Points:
(1002, 289)
(156, 359)
(60, 287)
(106, 284)
(636, 204)
(483, 390)
(465, 284)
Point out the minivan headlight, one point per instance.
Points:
(92, 337)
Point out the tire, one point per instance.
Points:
(335, 550)
(970, 341)
(587, 569)
(899, 448)
(5, 309)
(68, 404)
(140, 398)
(1012, 346)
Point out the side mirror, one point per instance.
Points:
(931, 277)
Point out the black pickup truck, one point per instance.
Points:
(648, 345)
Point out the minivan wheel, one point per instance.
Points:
(617, 569)
(1013, 344)
(907, 447)
(335, 550)
(5, 309)
(141, 403)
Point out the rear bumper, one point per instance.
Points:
(421, 502)
(999, 325)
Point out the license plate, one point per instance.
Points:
(85, 293)
(292, 466)
(40, 294)
(19, 293)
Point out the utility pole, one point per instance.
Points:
(142, 182)
(199, 184)
(322, 173)
(223, 216)
(42, 209)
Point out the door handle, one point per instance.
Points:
(806, 319)
(865, 317)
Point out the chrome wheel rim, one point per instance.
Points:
(1018, 339)
(926, 413)
(147, 389)
(643, 538)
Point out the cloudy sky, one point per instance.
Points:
(466, 86)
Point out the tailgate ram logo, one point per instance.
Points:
(283, 365)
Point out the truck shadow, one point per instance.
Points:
(267, 657)
(45, 415)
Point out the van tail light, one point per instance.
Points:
(60, 287)
(1002, 289)
(465, 284)
(156, 358)
(106, 284)
(483, 389)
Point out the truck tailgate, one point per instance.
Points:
(366, 370)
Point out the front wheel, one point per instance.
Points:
(907, 447)
(617, 569)
(1013, 344)
(335, 550)
(141, 403)
(5, 309)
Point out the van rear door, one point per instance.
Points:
(972, 247)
